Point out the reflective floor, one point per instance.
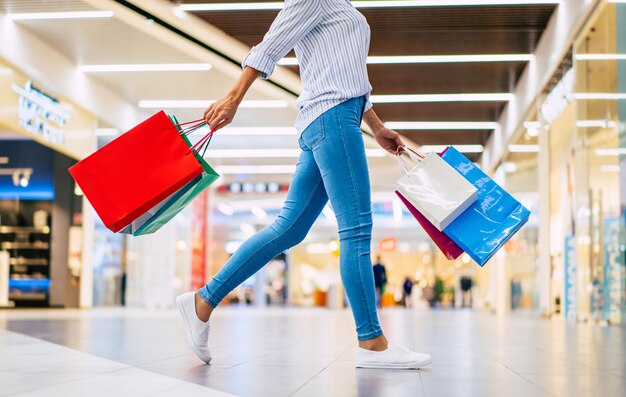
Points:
(304, 352)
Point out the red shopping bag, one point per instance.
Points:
(136, 171)
(445, 244)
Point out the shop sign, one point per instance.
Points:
(613, 271)
(570, 278)
(40, 113)
(558, 99)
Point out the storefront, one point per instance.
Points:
(571, 152)
(41, 211)
(600, 169)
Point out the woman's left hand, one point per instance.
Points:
(388, 139)
(221, 113)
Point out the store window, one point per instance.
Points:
(600, 146)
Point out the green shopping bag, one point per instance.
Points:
(182, 197)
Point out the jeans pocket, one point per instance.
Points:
(314, 133)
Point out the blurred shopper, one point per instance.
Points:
(466, 291)
(407, 288)
(380, 279)
(331, 40)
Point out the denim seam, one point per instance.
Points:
(363, 295)
(238, 270)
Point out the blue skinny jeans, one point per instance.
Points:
(332, 166)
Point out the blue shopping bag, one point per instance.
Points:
(491, 221)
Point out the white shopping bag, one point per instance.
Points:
(435, 189)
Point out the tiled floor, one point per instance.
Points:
(304, 352)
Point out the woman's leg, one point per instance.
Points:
(305, 200)
(339, 152)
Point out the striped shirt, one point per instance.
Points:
(331, 39)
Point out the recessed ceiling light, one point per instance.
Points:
(150, 67)
(510, 167)
(60, 15)
(201, 104)
(442, 125)
(419, 98)
(225, 209)
(363, 4)
(258, 212)
(402, 59)
(524, 148)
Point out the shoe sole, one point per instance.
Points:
(194, 348)
(396, 366)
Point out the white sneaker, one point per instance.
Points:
(395, 357)
(197, 330)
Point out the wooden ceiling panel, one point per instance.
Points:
(443, 78)
(428, 31)
(429, 137)
(439, 111)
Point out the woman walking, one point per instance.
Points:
(331, 40)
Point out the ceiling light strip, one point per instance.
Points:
(425, 98)
(274, 5)
(60, 15)
(201, 104)
(600, 57)
(150, 67)
(595, 123)
(411, 59)
(270, 153)
(524, 148)
(460, 148)
(442, 125)
(255, 169)
(254, 131)
(611, 152)
(601, 96)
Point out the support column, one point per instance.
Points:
(544, 261)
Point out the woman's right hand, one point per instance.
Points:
(221, 113)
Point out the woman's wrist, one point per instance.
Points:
(371, 119)
(235, 96)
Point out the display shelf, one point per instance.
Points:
(28, 262)
(31, 296)
(25, 246)
(24, 229)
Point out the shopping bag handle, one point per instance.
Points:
(415, 156)
(192, 126)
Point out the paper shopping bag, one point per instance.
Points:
(179, 200)
(136, 171)
(445, 244)
(491, 221)
(435, 189)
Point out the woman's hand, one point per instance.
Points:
(388, 139)
(221, 113)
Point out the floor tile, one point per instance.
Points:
(304, 352)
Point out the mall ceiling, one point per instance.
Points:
(419, 31)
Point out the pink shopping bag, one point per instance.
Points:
(445, 244)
